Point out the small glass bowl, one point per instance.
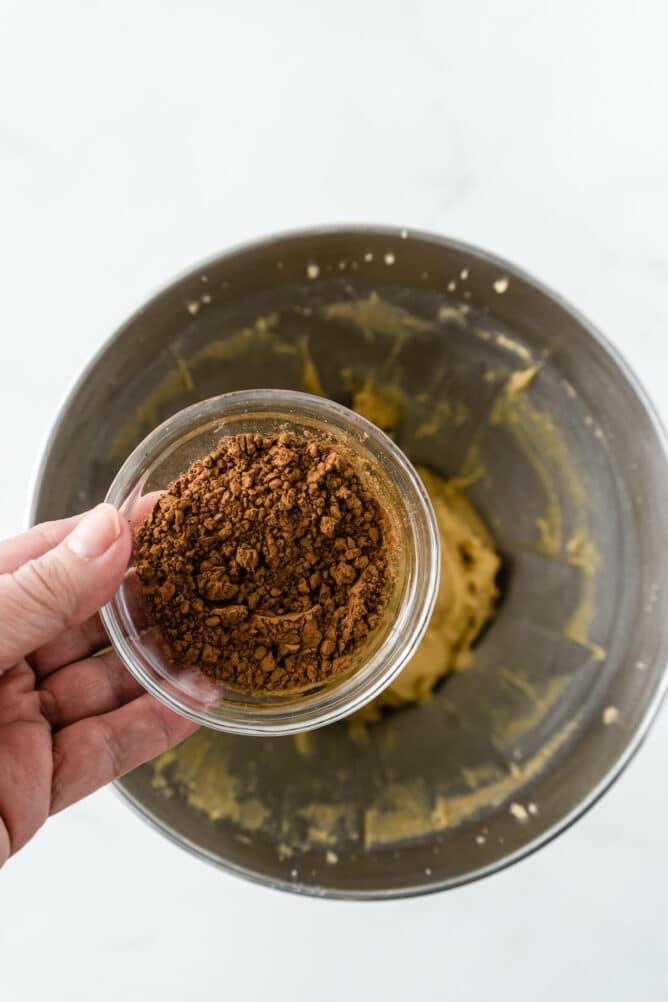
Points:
(193, 433)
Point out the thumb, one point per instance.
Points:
(65, 586)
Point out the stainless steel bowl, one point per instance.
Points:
(494, 373)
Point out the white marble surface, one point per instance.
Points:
(136, 138)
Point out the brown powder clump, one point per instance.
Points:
(266, 564)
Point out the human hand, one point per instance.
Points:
(71, 719)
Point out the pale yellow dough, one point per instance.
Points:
(466, 594)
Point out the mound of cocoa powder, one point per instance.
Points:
(267, 563)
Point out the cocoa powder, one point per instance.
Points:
(266, 564)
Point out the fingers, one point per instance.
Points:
(65, 585)
(90, 637)
(72, 645)
(141, 509)
(81, 641)
(32, 544)
(86, 689)
(25, 760)
(93, 752)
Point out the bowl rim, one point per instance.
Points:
(508, 268)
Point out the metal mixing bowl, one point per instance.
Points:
(496, 378)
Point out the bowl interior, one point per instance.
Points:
(495, 380)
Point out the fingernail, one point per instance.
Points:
(95, 533)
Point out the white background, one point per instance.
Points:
(137, 137)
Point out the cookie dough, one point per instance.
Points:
(467, 590)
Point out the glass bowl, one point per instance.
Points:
(168, 451)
